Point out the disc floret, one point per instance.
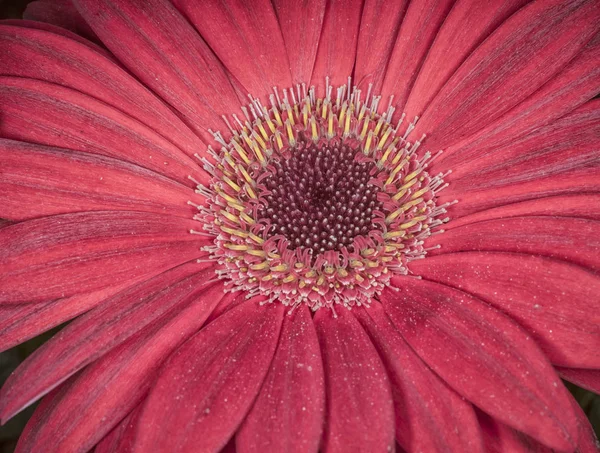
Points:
(318, 200)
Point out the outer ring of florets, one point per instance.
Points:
(255, 259)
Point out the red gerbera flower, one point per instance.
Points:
(309, 273)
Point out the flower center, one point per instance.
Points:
(321, 198)
(318, 200)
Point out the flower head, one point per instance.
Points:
(280, 226)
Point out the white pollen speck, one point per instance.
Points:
(207, 411)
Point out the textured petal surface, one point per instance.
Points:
(519, 57)
(288, 412)
(118, 440)
(112, 386)
(485, 357)
(337, 45)
(573, 86)
(65, 61)
(247, 39)
(556, 302)
(170, 57)
(34, 111)
(61, 13)
(21, 322)
(37, 181)
(209, 384)
(500, 438)
(379, 26)
(467, 24)
(577, 205)
(360, 414)
(97, 332)
(566, 238)
(430, 417)
(588, 379)
(301, 23)
(84, 251)
(558, 158)
(419, 28)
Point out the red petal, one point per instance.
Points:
(288, 412)
(419, 27)
(485, 357)
(34, 25)
(519, 57)
(337, 45)
(247, 39)
(97, 332)
(556, 302)
(575, 84)
(577, 205)
(24, 321)
(75, 65)
(500, 438)
(588, 379)
(209, 384)
(566, 238)
(379, 28)
(555, 159)
(360, 413)
(169, 57)
(111, 387)
(74, 182)
(61, 13)
(35, 111)
(423, 402)
(118, 439)
(466, 26)
(562, 145)
(301, 28)
(85, 252)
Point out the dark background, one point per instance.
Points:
(10, 359)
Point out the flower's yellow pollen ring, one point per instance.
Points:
(259, 261)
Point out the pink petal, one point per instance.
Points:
(288, 412)
(209, 384)
(485, 357)
(98, 331)
(500, 438)
(61, 13)
(576, 205)
(547, 150)
(555, 159)
(300, 24)
(430, 417)
(468, 23)
(556, 302)
(379, 26)
(170, 58)
(56, 30)
(575, 84)
(85, 252)
(587, 441)
(519, 57)
(118, 439)
(24, 321)
(419, 27)
(111, 387)
(34, 111)
(61, 178)
(70, 63)
(588, 379)
(337, 44)
(246, 37)
(565, 238)
(359, 413)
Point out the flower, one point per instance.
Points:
(243, 209)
